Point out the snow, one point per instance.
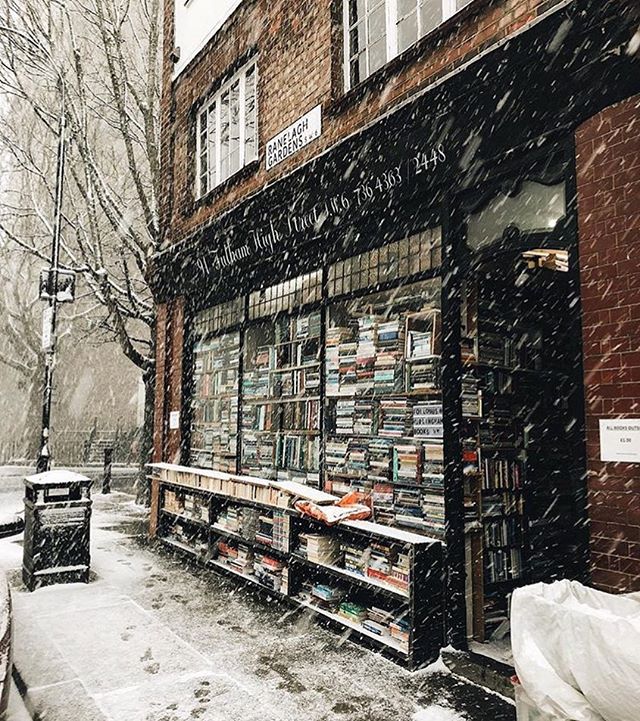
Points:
(151, 638)
(437, 713)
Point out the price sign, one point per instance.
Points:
(47, 327)
(620, 440)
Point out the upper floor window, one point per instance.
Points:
(228, 130)
(378, 30)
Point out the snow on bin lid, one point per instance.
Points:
(56, 478)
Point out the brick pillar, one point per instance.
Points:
(608, 183)
(173, 376)
(159, 397)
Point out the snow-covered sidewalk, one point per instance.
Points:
(151, 639)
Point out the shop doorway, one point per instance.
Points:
(522, 402)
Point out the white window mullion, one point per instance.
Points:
(448, 9)
(392, 28)
(347, 45)
(242, 118)
(217, 140)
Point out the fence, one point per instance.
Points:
(79, 447)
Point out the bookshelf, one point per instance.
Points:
(281, 399)
(383, 585)
(495, 352)
(383, 405)
(214, 430)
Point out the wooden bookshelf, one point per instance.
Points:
(281, 397)
(292, 575)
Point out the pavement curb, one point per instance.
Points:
(24, 692)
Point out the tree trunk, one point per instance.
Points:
(143, 489)
(32, 429)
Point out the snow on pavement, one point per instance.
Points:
(154, 639)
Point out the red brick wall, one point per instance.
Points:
(159, 395)
(168, 393)
(608, 167)
(300, 65)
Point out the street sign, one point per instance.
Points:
(47, 327)
(66, 285)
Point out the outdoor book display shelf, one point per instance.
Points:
(383, 584)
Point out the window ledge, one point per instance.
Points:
(231, 182)
(378, 80)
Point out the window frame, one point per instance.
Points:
(210, 132)
(449, 9)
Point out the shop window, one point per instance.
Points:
(529, 207)
(419, 253)
(383, 404)
(281, 398)
(286, 296)
(214, 428)
(227, 130)
(378, 30)
(219, 317)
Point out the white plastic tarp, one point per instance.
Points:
(577, 651)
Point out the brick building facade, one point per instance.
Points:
(508, 92)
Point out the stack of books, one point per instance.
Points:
(423, 374)
(408, 507)
(471, 399)
(433, 512)
(336, 336)
(269, 571)
(355, 558)
(366, 353)
(379, 563)
(344, 417)
(380, 450)
(400, 570)
(377, 621)
(364, 420)
(396, 418)
(353, 612)
(347, 365)
(399, 629)
(320, 548)
(407, 464)
(264, 531)
(383, 508)
(239, 558)
(326, 596)
(280, 531)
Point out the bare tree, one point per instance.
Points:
(99, 61)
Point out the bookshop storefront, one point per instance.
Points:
(402, 318)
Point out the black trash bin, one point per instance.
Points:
(56, 536)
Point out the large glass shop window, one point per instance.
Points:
(214, 429)
(281, 384)
(383, 393)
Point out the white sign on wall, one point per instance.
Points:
(174, 420)
(620, 440)
(47, 327)
(295, 137)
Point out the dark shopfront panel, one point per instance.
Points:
(462, 161)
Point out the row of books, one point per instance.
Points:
(503, 532)
(385, 563)
(378, 621)
(189, 538)
(501, 473)
(186, 504)
(383, 459)
(503, 564)
(502, 503)
(282, 418)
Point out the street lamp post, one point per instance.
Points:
(43, 462)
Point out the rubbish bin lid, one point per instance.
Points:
(58, 477)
